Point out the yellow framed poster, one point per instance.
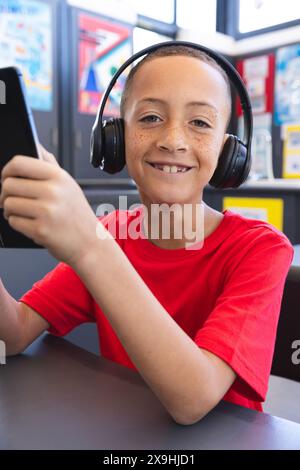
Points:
(268, 209)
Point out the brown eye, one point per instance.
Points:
(150, 118)
(200, 123)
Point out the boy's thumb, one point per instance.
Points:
(47, 156)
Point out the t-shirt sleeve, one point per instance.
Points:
(62, 299)
(242, 327)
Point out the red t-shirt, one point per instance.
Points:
(226, 296)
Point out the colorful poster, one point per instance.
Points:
(291, 152)
(26, 42)
(103, 48)
(268, 209)
(258, 76)
(287, 85)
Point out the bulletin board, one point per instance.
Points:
(103, 48)
(276, 125)
(99, 45)
(26, 42)
(287, 88)
(258, 75)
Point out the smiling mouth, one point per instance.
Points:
(170, 169)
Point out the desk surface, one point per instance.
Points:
(58, 396)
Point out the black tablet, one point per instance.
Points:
(18, 136)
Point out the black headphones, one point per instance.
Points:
(107, 138)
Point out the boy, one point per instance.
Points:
(199, 325)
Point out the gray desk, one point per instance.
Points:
(59, 396)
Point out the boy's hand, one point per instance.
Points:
(42, 201)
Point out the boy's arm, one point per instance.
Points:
(189, 381)
(20, 325)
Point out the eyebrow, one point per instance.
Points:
(190, 104)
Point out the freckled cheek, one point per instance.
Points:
(135, 145)
(209, 153)
(135, 149)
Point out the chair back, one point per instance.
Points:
(286, 359)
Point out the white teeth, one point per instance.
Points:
(171, 169)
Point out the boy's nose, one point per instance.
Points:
(172, 139)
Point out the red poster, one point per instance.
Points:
(258, 76)
(103, 47)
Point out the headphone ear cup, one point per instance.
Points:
(96, 145)
(113, 146)
(233, 164)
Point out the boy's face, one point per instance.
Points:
(176, 113)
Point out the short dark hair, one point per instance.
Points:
(172, 51)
